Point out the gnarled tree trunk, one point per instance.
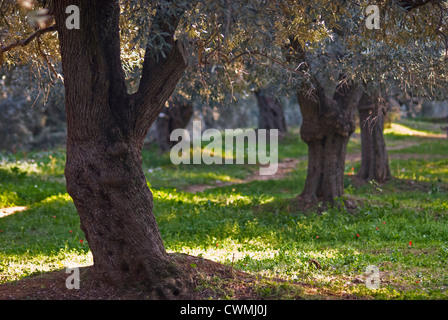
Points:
(271, 113)
(326, 128)
(374, 159)
(106, 128)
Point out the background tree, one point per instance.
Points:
(329, 54)
(271, 111)
(31, 112)
(424, 53)
(401, 52)
(374, 159)
(176, 115)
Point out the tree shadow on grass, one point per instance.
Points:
(210, 280)
(25, 189)
(191, 217)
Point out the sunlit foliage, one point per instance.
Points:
(239, 45)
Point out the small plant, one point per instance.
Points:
(434, 188)
(374, 188)
(350, 189)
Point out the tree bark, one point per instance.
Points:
(106, 128)
(326, 128)
(271, 113)
(176, 116)
(374, 159)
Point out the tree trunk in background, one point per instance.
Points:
(208, 118)
(374, 159)
(326, 128)
(176, 116)
(106, 128)
(271, 113)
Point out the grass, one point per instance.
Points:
(402, 228)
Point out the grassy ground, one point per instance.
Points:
(401, 228)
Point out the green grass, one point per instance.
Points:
(161, 173)
(422, 125)
(252, 225)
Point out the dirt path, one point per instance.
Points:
(353, 157)
(289, 164)
(285, 167)
(357, 156)
(8, 211)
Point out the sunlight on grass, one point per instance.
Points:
(24, 265)
(45, 237)
(29, 166)
(57, 198)
(420, 170)
(8, 199)
(39, 163)
(184, 175)
(11, 210)
(252, 226)
(427, 147)
(399, 129)
(422, 125)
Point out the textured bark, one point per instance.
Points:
(176, 116)
(374, 159)
(271, 113)
(326, 128)
(328, 105)
(412, 4)
(106, 128)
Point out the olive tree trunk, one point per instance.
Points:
(271, 114)
(326, 128)
(374, 159)
(106, 128)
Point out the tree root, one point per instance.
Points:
(171, 289)
(178, 284)
(313, 203)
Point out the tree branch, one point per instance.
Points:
(157, 87)
(164, 26)
(44, 56)
(162, 69)
(255, 52)
(25, 42)
(408, 5)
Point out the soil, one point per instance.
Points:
(11, 210)
(285, 167)
(209, 279)
(289, 164)
(352, 157)
(52, 285)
